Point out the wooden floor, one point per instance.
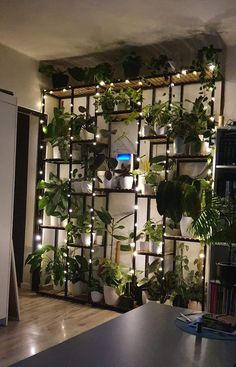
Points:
(46, 322)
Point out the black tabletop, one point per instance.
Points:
(144, 337)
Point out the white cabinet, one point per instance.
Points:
(8, 127)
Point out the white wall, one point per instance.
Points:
(230, 84)
(19, 74)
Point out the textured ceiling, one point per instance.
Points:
(54, 29)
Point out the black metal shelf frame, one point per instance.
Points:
(97, 192)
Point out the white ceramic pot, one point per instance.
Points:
(148, 189)
(64, 223)
(159, 130)
(76, 186)
(49, 151)
(86, 187)
(110, 295)
(55, 222)
(105, 184)
(78, 288)
(96, 297)
(85, 238)
(126, 183)
(56, 153)
(205, 148)
(155, 247)
(184, 225)
(99, 239)
(144, 246)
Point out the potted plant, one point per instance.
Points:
(83, 125)
(77, 269)
(57, 133)
(136, 97)
(112, 226)
(154, 232)
(96, 290)
(148, 176)
(84, 227)
(106, 100)
(99, 229)
(217, 224)
(122, 100)
(155, 286)
(131, 65)
(112, 278)
(51, 260)
(125, 177)
(59, 78)
(104, 167)
(55, 198)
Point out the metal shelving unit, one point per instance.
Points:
(71, 93)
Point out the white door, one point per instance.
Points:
(8, 128)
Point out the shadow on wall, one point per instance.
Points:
(182, 51)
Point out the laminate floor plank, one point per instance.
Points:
(46, 322)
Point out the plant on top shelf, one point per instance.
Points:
(59, 78)
(106, 100)
(57, 131)
(50, 259)
(157, 288)
(82, 123)
(162, 64)
(91, 75)
(112, 226)
(55, 197)
(207, 60)
(131, 65)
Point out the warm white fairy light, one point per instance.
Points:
(65, 272)
(40, 197)
(68, 195)
(161, 259)
(40, 221)
(94, 143)
(41, 121)
(136, 142)
(69, 179)
(135, 207)
(209, 172)
(97, 94)
(211, 67)
(92, 250)
(112, 84)
(94, 178)
(38, 237)
(91, 209)
(39, 245)
(202, 277)
(94, 194)
(69, 128)
(102, 83)
(93, 218)
(172, 85)
(90, 225)
(65, 241)
(71, 104)
(160, 269)
(41, 146)
(213, 99)
(140, 83)
(136, 225)
(40, 172)
(132, 244)
(184, 71)
(194, 72)
(70, 210)
(90, 261)
(201, 255)
(163, 278)
(71, 138)
(51, 92)
(97, 136)
(140, 113)
(168, 151)
(70, 155)
(64, 90)
(138, 159)
(139, 103)
(212, 118)
(178, 75)
(132, 271)
(135, 253)
(127, 81)
(163, 227)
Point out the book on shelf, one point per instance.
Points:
(222, 299)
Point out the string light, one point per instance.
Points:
(98, 136)
(172, 85)
(140, 83)
(71, 104)
(211, 67)
(40, 197)
(39, 245)
(139, 103)
(135, 207)
(140, 113)
(41, 146)
(97, 94)
(178, 75)
(112, 84)
(91, 209)
(90, 261)
(209, 172)
(41, 122)
(40, 221)
(194, 72)
(127, 81)
(132, 244)
(213, 99)
(136, 225)
(65, 272)
(94, 194)
(138, 159)
(92, 249)
(102, 83)
(40, 172)
(70, 155)
(70, 210)
(69, 128)
(38, 237)
(135, 253)
(201, 255)
(64, 90)
(160, 269)
(51, 92)
(94, 143)
(184, 71)
(132, 271)
(68, 195)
